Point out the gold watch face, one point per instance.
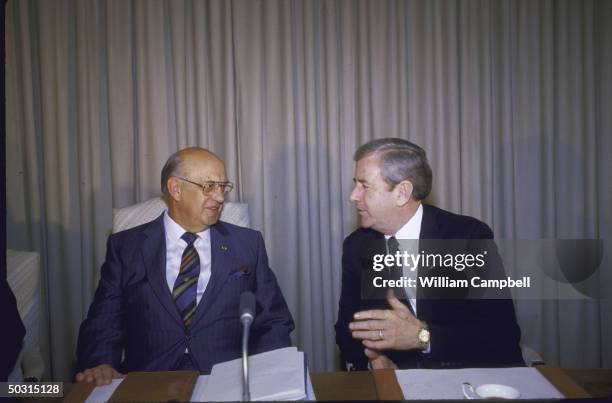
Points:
(424, 336)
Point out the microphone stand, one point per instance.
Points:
(246, 324)
(247, 314)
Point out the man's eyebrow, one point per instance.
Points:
(362, 181)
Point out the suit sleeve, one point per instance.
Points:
(489, 334)
(351, 350)
(101, 335)
(12, 333)
(273, 322)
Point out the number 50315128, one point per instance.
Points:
(31, 389)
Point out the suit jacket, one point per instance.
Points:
(12, 333)
(464, 332)
(133, 323)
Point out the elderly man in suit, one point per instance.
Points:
(392, 178)
(169, 290)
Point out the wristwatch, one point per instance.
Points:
(423, 336)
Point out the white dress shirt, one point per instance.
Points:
(175, 246)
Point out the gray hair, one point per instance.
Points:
(400, 160)
(171, 168)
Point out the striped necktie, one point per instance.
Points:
(186, 284)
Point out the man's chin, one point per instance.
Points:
(209, 219)
(212, 221)
(210, 216)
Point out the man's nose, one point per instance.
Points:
(218, 195)
(355, 194)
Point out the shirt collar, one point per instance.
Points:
(412, 228)
(174, 231)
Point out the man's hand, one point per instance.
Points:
(378, 360)
(394, 328)
(100, 375)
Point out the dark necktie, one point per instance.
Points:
(396, 272)
(186, 284)
(392, 245)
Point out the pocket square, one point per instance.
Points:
(243, 271)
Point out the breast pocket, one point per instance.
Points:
(241, 280)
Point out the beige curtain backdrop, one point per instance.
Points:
(511, 100)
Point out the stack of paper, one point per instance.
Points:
(274, 375)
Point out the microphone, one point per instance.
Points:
(247, 307)
(247, 314)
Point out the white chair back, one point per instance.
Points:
(137, 214)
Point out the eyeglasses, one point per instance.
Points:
(211, 186)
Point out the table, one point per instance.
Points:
(598, 382)
(574, 383)
(343, 385)
(359, 386)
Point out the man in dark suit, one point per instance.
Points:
(426, 328)
(168, 297)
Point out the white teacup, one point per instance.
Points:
(490, 391)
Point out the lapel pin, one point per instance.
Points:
(223, 247)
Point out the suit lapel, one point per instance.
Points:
(222, 257)
(429, 231)
(154, 256)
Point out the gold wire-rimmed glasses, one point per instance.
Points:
(211, 186)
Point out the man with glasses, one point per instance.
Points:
(169, 290)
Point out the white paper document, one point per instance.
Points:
(199, 387)
(102, 393)
(274, 375)
(447, 383)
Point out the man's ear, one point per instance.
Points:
(403, 192)
(174, 188)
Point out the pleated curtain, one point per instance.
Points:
(511, 100)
